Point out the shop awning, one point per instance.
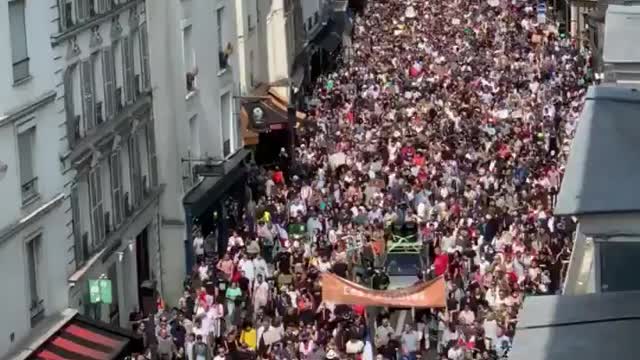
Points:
(81, 338)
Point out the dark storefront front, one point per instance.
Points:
(268, 116)
(216, 204)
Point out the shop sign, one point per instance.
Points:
(100, 291)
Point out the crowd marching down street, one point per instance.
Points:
(451, 117)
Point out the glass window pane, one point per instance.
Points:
(25, 149)
(619, 265)
(17, 30)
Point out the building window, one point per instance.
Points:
(95, 203)
(88, 94)
(222, 53)
(114, 309)
(618, 261)
(128, 73)
(84, 9)
(28, 179)
(153, 160)
(250, 23)
(144, 56)
(109, 77)
(17, 29)
(252, 80)
(104, 6)
(117, 202)
(134, 170)
(227, 126)
(81, 248)
(34, 257)
(188, 57)
(65, 12)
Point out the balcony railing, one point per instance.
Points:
(29, 190)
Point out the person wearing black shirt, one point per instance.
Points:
(340, 269)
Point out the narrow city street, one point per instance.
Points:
(319, 180)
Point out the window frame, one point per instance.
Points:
(144, 56)
(87, 85)
(109, 79)
(19, 62)
(117, 196)
(29, 182)
(96, 206)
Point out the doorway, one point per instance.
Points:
(143, 268)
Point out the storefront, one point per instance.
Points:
(266, 117)
(216, 204)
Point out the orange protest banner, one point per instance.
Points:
(337, 290)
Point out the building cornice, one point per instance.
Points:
(60, 37)
(27, 108)
(9, 231)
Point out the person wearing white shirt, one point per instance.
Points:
(260, 294)
(235, 241)
(456, 353)
(198, 246)
(261, 267)
(246, 265)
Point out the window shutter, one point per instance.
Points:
(69, 105)
(116, 187)
(25, 148)
(144, 55)
(125, 72)
(131, 75)
(108, 72)
(79, 250)
(88, 102)
(62, 14)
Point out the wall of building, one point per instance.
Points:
(116, 121)
(51, 276)
(31, 214)
(188, 122)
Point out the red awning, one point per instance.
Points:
(79, 340)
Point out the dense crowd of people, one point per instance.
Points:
(452, 117)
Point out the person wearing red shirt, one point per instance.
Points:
(278, 176)
(441, 262)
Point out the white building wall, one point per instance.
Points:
(88, 40)
(30, 104)
(188, 122)
(264, 49)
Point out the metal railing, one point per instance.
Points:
(29, 189)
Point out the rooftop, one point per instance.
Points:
(600, 175)
(585, 327)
